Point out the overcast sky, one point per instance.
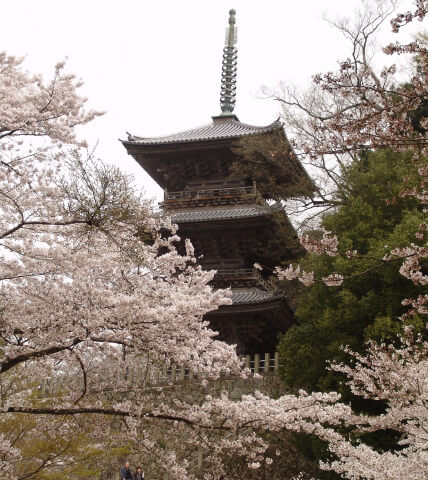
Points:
(155, 66)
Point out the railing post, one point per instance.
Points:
(52, 386)
(43, 386)
(200, 459)
(147, 374)
(256, 363)
(173, 372)
(248, 362)
(267, 363)
(137, 375)
(130, 375)
(81, 381)
(182, 373)
(276, 362)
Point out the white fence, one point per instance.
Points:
(147, 375)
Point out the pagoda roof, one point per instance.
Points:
(222, 127)
(253, 295)
(205, 215)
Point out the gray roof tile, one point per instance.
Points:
(218, 129)
(204, 215)
(254, 295)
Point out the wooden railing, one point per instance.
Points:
(150, 376)
(263, 365)
(212, 197)
(230, 274)
(196, 464)
(210, 192)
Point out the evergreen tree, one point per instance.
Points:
(366, 306)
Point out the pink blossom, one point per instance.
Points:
(307, 278)
(333, 280)
(327, 244)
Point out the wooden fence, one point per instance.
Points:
(147, 375)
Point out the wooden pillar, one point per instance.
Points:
(148, 374)
(256, 363)
(130, 376)
(200, 459)
(248, 361)
(267, 363)
(43, 387)
(276, 362)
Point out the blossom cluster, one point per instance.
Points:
(411, 267)
(327, 244)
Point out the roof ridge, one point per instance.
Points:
(215, 213)
(178, 132)
(274, 123)
(209, 131)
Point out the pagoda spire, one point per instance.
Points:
(229, 67)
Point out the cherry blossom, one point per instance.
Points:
(91, 280)
(333, 280)
(399, 377)
(90, 277)
(411, 267)
(291, 273)
(348, 111)
(9, 455)
(327, 244)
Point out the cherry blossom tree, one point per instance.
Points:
(91, 278)
(348, 111)
(91, 281)
(88, 276)
(358, 110)
(398, 376)
(367, 111)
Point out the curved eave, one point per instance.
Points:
(275, 305)
(216, 214)
(215, 131)
(252, 300)
(253, 296)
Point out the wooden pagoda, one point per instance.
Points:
(223, 214)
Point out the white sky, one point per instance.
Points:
(155, 66)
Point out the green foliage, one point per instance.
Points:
(65, 447)
(77, 447)
(372, 219)
(278, 244)
(269, 160)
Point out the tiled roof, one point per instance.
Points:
(203, 215)
(220, 128)
(253, 295)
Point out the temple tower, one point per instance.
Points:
(227, 219)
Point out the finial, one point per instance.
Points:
(229, 67)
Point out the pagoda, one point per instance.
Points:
(222, 212)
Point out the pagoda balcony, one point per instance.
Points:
(238, 278)
(212, 197)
